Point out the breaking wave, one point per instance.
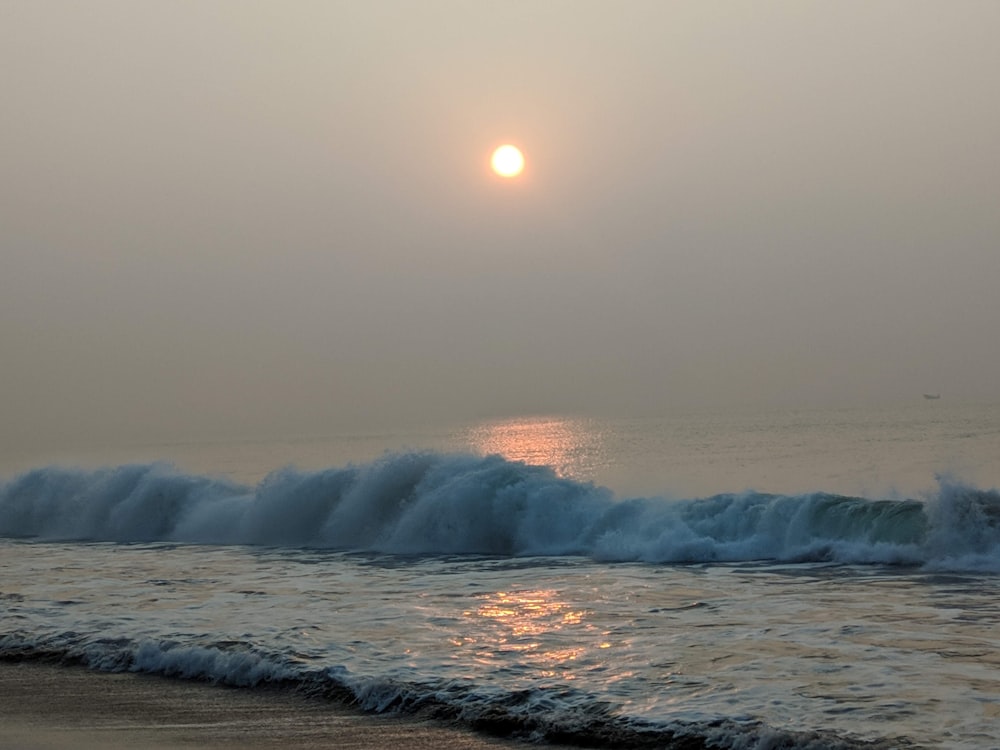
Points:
(537, 715)
(428, 503)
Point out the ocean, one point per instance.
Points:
(792, 579)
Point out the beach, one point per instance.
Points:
(48, 707)
(514, 591)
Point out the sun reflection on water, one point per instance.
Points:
(572, 447)
(536, 624)
(547, 633)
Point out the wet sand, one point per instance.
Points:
(45, 707)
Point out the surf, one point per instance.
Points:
(429, 503)
(535, 715)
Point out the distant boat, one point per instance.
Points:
(932, 396)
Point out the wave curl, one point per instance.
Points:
(429, 503)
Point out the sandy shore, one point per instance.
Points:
(46, 707)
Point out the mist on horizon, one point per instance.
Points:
(239, 219)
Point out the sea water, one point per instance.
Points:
(796, 579)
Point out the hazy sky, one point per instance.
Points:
(242, 218)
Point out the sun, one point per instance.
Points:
(507, 161)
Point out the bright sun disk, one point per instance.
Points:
(507, 161)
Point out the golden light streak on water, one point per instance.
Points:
(570, 446)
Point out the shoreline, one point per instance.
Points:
(53, 707)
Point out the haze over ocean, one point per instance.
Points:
(672, 423)
(231, 221)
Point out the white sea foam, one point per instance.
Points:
(530, 714)
(427, 503)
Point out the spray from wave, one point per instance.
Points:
(428, 503)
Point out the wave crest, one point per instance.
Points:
(427, 503)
